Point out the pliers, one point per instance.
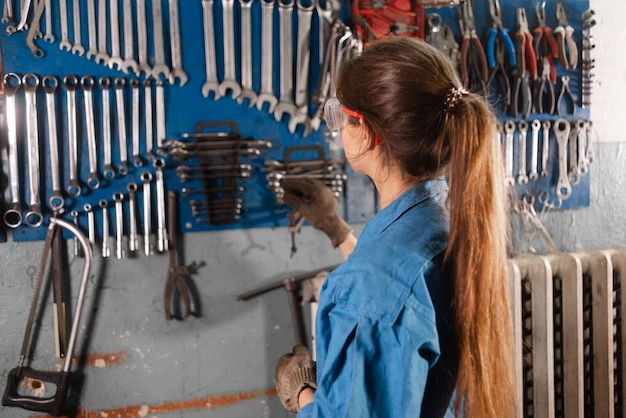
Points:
(543, 96)
(564, 34)
(545, 45)
(521, 102)
(500, 44)
(471, 41)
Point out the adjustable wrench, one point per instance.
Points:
(509, 131)
(133, 243)
(88, 83)
(247, 92)
(160, 114)
(91, 25)
(13, 215)
(267, 92)
(115, 58)
(146, 178)
(303, 58)
(121, 125)
(102, 55)
(142, 39)
(129, 48)
(147, 97)
(91, 224)
(522, 176)
(49, 37)
(78, 47)
(545, 154)
(105, 85)
(50, 84)
(33, 217)
(176, 50)
(285, 104)
(162, 243)
(134, 84)
(211, 84)
(160, 68)
(561, 131)
(118, 198)
(106, 249)
(230, 77)
(71, 82)
(534, 156)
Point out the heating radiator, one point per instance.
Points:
(567, 312)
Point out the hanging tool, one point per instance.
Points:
(564, 37)
(543, 91)
(57, 379)
(566, 95)
(544, 42)
(500, 44)
(521, 102)
(472, 50)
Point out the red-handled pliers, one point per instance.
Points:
(471, 41)
(521, 102)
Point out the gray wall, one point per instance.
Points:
(137, 364)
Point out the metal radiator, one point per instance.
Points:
(567, 312)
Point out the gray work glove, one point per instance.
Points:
(294, 372)
(318, 205)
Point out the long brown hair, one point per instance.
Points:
(400, 86)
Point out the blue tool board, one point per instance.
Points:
(185, 107)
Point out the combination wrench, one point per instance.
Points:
(118, 198)
(247, 92)
(162, 243)
(160, 68)
(574, 174)
(534, 153)
(303, 58)
(35, 31)
(146, 179)
(142, 39)
(106, 249)
(8, 17)
(176, 49)
(48, 36)
(105, 86)
(147, 97)
(582, 139)
(137, 160)
(33, 216)
(509, 131)
(285, 104)
(71, 82)
(545, 150)
(88, 83)
(160, 114)
(211, 84)
(78, 47)
(13, 215)
(50, 84)
(102, 56)
(267, 91)
(91, 26)
(522, 176)
(561, 132)
(133, 242)
(230, 77)
(24, 12)
(91, 224)
(120, 82)
(115, 58)
(129, 45)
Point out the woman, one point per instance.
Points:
(416, 321)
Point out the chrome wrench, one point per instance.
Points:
(134, 84)
(303, 58)
(33, 216)
(162, 243)
(88, 83)
(147, 97)
(267, 91)
(35, 31)
(91, 25)
(176, 50)
(146, 178)
(13, 215)
(142, 39)
(48, 37)
(105, 85)
(8, 17)
(522, 177)
(561, 131)
(211, 84)
(133, 243)
(129, 45)
(91, 224)
(118, 198)
(122, 169)
(71, 82)
(285, 104)
(50, 84)
(247, 92)
(589, 153)
(74, 215)
(230, 77)
(509, 131)
(106, 249)
(24, 12)
(545, 154)
(102, 56)
(78, 47)
(115, 58)
(534, 153)
(582, 139)
(160, 114)
(160, 68)
(574, 175)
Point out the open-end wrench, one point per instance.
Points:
(509, 131)
(162, 243)
(534, 153)
(137, 160)
(211, 84)
(129, 40)
(267, 27)
(160, 68)
(247, 92)
(106, 249)
(33, 216)
(78, 47)
(522, 176)
(118, 198)
(230, 69)
(160, 114)
(91, 224)
(35, 30)
(88, 83)
(147, 98)
(175, 44)
(142, 39)
(146, 179)
(102, 56)
(13, 215)
(285, 104)
(133, 242)
(545, 150)
(561, 132)
(105, 86)
(303, 58)
(92, 31)
(582, 139)
(24, 12)
(324, 17)
(48, 36)
(114, 16)
(122, 169)
(8, 17)
(50, 84)
(71, 83)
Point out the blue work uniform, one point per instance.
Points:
(384, 337)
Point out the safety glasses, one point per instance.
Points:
(336, 115)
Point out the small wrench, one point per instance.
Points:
(230, 77)
(71, 82)
(78, 47)
(122, 169)
(509, 131)
(88, 83)
(160, 114)
(129, 46)
(50, 84)
(545, 148)
(142, 39)
(133, 243)
(211, 84)
(118, 198)
(162, 243)
(106, 249)
(13, 215)
(34, 216)
(146, 178)
(561, 131)
(589, 154)
(303, 58)
(134, 84)
(35, 30)
(285, 104)
(534, 153)
(115, 58)
(267, 92)
(8, 17)
(522, 177)
(105, 85)
(48, 37)
(91, 25)
(24, 12)
(102, 56)
(574, 174)
(176, 49)
(147, 97)
(582, 139)
(160, 68)
(247, 92)
(91, 224)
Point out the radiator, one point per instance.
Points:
(569, 343)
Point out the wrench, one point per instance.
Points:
(13, 215)
(88, 83)
(71, 82)
(522, 177)
(74, 215)
(159, 51)
(230, 77)
(142, 39)
(303, 58)
(133, 243)
(162, 243)
(285, 104)
(105, 85)
(267, 92)
(561, 131)
(106, 249)
(247, 92)
(24, 12)
(49, 37)
(134, 84)
(211, 84)
(129, 49)
(160, 114)
(176, 50)
(102, 55)
(35, 30)
(147, 97)
(91, 224)
(324, 17)
(119, 225)
(50, 84)
(121, 125)
(115, 58)
(146, 178)
(574, 175)
(33, 216)
(509, 130)
(78, 47)
(589, 154)
(534, 155)
(8, 17)
(546, 148)
(91, 25)
(582, 139)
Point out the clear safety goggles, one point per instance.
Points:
(336, 115)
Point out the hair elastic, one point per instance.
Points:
(454, 96)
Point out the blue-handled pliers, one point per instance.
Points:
(498, 36)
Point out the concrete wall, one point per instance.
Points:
(134, 363)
